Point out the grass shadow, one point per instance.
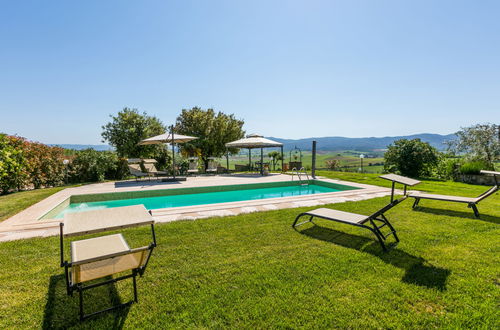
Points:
(458, 214)
(62, 311)
(418, 270)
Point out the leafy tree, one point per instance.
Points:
(128, 128)
(213, 131)
(412, 158)
(481, 142)
(276, 157)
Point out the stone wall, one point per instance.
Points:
(486, 180)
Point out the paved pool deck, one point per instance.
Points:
(26, 224)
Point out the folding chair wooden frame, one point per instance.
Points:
(374, 222)
(104, 256)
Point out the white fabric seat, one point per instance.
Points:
(338, 215)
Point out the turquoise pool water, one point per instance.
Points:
(161, 202)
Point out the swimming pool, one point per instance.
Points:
(169, 198)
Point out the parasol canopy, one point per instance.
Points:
(253, 141)
(167, 138)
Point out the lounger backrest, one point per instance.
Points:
(193, 165)
(490, 192)
(92, 269)
(150, 167)
(212, 165)
(135, 169)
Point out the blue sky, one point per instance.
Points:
(289, 68)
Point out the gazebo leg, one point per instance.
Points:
(249, 159)
(282, 169)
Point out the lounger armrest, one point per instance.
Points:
(400, 179)
(490, 172)
(487, 193)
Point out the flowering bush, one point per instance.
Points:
(26, 165)
(44, 165)
(12, 163)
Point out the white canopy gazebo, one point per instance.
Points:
(168, 138)
(255, 141)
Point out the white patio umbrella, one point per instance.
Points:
(255, 141)
(171, 138)
(167, 138)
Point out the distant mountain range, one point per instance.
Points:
(333, 143)
(98, 147)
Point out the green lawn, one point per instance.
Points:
(255, 271)
(14, 203)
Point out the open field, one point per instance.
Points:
(255, 271)
(346, 158)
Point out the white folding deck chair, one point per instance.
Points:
(193, 165)
(212, 166)
(96, 258)
(150, 167)
(365, 221)
(470, 201)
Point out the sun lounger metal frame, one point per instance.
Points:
(370, 222)
(94, 225)
(471, 202)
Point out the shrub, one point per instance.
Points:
(12, 163)
(90, 165)
(474, 167)
(332, 164)
(447, 168)
(412, 158)
(44, 165)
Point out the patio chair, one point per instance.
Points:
(365, 221)
(212, 166)
(193, 165)
(97, 258)
(136, 171)
(470, 201)
(149, 166)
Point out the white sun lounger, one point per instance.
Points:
(99, 257)
(470, 201)
(136, 171)
(365, 221)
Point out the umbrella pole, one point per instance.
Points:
(173, 150)
(261, 161)
(227, 160)
(249, 159)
